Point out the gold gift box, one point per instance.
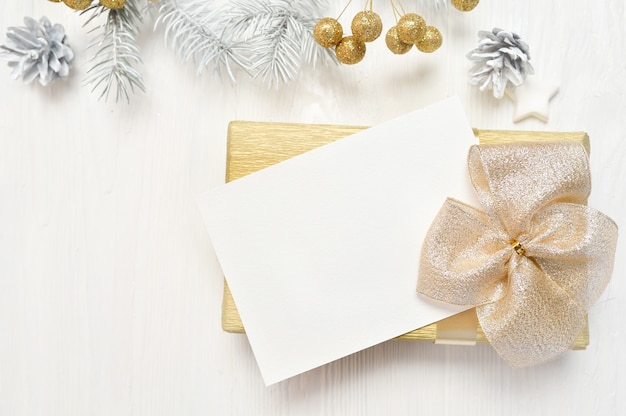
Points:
(253, 146)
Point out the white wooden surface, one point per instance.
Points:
(110, 292)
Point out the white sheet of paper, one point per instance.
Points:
(321, 251)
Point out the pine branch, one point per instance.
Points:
(280, 34)
(195, 33)
(116, 50)
(275, 35)
(311, 50)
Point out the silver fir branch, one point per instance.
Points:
(280, 34)
(116, 51)
(269, 39)
(195, 32)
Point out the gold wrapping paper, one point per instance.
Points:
(256, 145)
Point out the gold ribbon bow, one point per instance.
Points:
(534, 261)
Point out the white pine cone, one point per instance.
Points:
(37, 50)
(500, 60)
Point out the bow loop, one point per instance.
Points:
(468, 258)
(514, 181)
(571, 240)
(534, 261)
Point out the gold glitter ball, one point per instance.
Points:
(395, 44)
(430, 41)
(77, 4)
(113, 4)
(328, 32)
(464, 5)
(350, 50)
(367, 26)
(411, 27)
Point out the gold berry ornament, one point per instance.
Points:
(431, 40)
(464, 5)
(77, 4)
(411, 27)
(113, 4)
(367, 26)
(328, 32)
(350, 50)
(395, 44)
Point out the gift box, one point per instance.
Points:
(253, 146)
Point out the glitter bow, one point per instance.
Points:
(534, 261)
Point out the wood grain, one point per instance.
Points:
(110, 293)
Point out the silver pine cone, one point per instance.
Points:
(500, 60)
(37, 50)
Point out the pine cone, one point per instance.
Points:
(37, 50)
(501, 60)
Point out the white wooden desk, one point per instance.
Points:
(110, 292)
